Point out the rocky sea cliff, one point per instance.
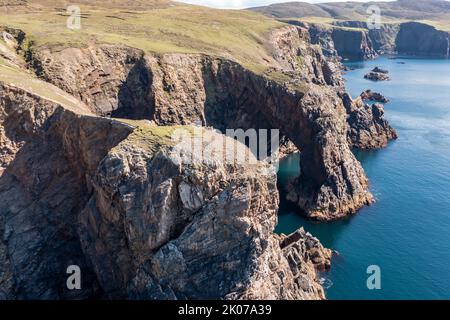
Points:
(90, 175)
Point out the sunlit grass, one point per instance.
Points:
(237, 35)
(14, 76)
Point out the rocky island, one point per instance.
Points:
(377, 74)
(370, 95)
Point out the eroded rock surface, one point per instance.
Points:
(143, 215)
(304, 103)
(205, 231)
(336, 40)
(368, 129)
(370, 95)
(377, 76)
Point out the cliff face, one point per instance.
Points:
(352, 40)
(141, 214)
(367, 128)
(41, 191)
(382, 39)
(207, 224)
(350, 43)
(353, 44)
(185, 89)
(147, 216)
(422, 40)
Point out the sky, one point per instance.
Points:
(239, 4)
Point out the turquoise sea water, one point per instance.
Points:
(407, 232)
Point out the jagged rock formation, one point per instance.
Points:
(186, 89)
(354, 40)
(347, 43)
(377, 74)
(367, 127)
(302, 246)
(149, 217)
(370, 95)
(187, 227)
(144, 216)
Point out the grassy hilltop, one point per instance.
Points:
(156, 26)
(432, 12)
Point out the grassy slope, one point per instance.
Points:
(154, 26)
(14, 76)
(435, 13)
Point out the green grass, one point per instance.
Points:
(439, 25)
(159, 28)
(14, 76)
(150, 138)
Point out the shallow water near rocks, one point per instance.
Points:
(407, 232)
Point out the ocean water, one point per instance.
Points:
(407, 232)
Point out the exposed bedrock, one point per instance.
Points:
(45, 154)
(381, 38)
(353, 44)
(348, 43)
(422, 40)
(367, 127)
(370, 95)
(355, 41)
(206, 230)
(143, 216)
(185, 89)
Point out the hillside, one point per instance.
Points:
(154, 26)
(434, 12)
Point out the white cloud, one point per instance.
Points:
(239, 4)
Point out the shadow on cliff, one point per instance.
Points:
(136, 100)
(43, 189)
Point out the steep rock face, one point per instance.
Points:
(206, 228)
(381, 38)
(348, 43)
(140, 214)
(321, 35)
(98, 77)
(185, 89)
(410, 38)
(367, 127)
(353, 44)
(370, 95)
(41, 191)
(422, 40)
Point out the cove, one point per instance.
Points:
(407, 231)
